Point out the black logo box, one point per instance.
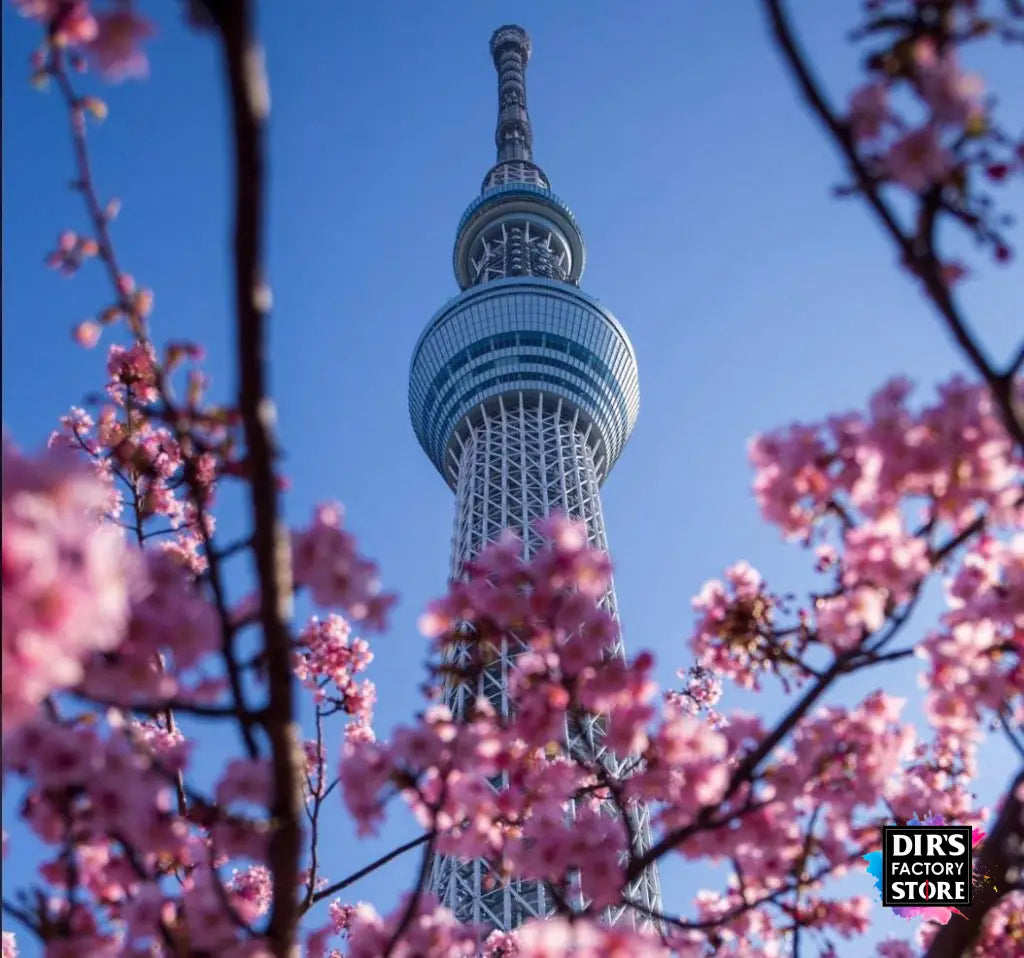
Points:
(924, 851)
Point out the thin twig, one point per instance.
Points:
(372, 867)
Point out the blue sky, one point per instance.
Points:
(753, 297)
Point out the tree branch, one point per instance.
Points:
(1001, 854)
(250, 106)
(414, 898)
(372, 867)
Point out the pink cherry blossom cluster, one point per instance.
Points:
(170, 632)
(110, 38)
(976, 656)
(702, 691)
(593, 843)
(797, 817)
(879, 463)
(327, 662)
(499, 944)
(922, 121)
(841, 758)
(107, 805)
(937, 776)
(586, 939)
(340, 918)
(1002, 933)
(68, 579)
(858, 479)
(150, 474)
(684, 768)
(446, 768)
(735, 636)
(249, 889)
(71, 251)
(428, 931)
(326, 561)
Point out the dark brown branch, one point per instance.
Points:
(1015, 363)
(162, 706)
(1001, 853)
(415, 897)
(250, 106)
(1009, 732)
(19, 914)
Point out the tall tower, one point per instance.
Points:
(523, 391)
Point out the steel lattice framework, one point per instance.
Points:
(527, 458)
(523, 391)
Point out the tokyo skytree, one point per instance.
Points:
(522, 391)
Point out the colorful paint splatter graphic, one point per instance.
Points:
(941, 915)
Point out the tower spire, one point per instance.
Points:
(510, 48)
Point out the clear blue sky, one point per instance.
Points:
(752, 297)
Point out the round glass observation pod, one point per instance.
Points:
(523, 336)
(523, 206)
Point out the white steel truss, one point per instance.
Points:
(520, 246)
(523, 458)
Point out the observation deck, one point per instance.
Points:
(524, 335)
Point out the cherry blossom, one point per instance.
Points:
(115, 46)
(325, 559)
(432, 932)
(72, 22)
(328, 662)
(952, 95)
(869, 111)
(68, 582)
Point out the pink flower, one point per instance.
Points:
(954, 96)
(250, 892)
(433, 932)
(918, 160)
(67, 577)
(146, 911)
(558, 938)
(365, 768)
(329, 661)
(326, 560)
(246, 780)
(72, 22)
(116, 47)
(341, 916)
(893, 948)
(869, 110)
(845, 619)
(87, 333)
(500, 944)
(132, 371)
